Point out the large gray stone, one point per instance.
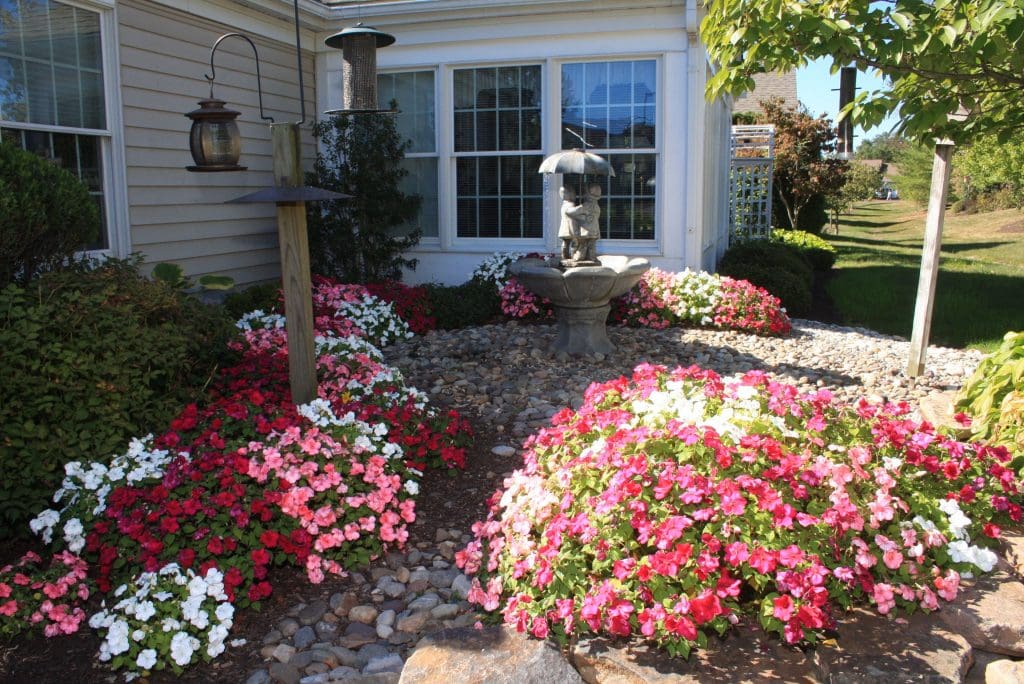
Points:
(284, 673)
(989, 613)
(873, 648)
(496, 655)
(744, 656)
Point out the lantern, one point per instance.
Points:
(358, 45)
(214, 139)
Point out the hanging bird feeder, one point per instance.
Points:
(358, 45)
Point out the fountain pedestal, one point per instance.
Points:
(580, 295)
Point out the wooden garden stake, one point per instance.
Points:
(294, 242)
(930, 258)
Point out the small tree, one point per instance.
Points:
(886, 147)
(358, 240)
(860, 184)
(804, 172)
(915, 178)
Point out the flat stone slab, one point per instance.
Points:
(747, 655)
(872, 648)
(1005, 672)
(989, 613)
(495, 655)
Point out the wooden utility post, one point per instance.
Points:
(930, 258)
(294, 242)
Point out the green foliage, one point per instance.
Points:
(474, 302)
(358, 240)
(915, 179)
(804, 173)
(819, 252)
(937, 56)
(46, 215)
(992, 170)
(994, 395)
(779, 268)
(260, 297)
(92, 359)
(886, 147)
(860, 184)
(174, 276)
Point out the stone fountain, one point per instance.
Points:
(580, 284)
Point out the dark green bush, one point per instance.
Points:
(790, 289)
(474, 302)
(92, 359)
(742, 256)
(46, 215)
(263, 296)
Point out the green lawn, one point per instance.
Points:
(980, 291)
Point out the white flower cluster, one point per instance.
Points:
(698, 293)
(338, 346)
(494, 269)
(258, 320)
(960, 549)
(370, 437)
(85, 487)
(194, 610)
(377, 319)
(686, 403)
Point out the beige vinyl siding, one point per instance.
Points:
(176, 215)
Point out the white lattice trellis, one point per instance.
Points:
(750, 180)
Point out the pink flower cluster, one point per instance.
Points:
(744, 306)
(673, 504)
(34, 596)
(344, 495)
(518, 302)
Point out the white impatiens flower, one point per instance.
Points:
(44, 523)
(225, 612)
(145, 610)
(183, 646)
(117, 637)
(962, 552)
(412, 487)
(146, 659)
(958, 522)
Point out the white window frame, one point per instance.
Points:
(622, 246)
(112, 157)
(447, 180)
(427, 240)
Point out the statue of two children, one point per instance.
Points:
(581, 224)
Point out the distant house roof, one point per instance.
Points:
(766, 86)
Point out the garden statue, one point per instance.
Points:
(580, 284)
(590, 227)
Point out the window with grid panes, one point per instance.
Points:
(611, 107)
(413, 92)
(497, 147)
(51, 88)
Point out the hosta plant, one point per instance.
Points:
(675, 504)
(994, 395)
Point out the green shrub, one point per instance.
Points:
(46, 215)
(764, 253)
(92, 359)
(263, 297)
(818, 251)
(994, 395)
(474, 302)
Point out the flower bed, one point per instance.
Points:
(673, 505)
(244, 482)
(661, 299)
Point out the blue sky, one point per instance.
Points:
(819, 91)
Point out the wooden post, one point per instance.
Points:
(298, 291)
(930, 258)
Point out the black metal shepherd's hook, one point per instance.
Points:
(259, 81)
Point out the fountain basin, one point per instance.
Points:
(580, 295)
